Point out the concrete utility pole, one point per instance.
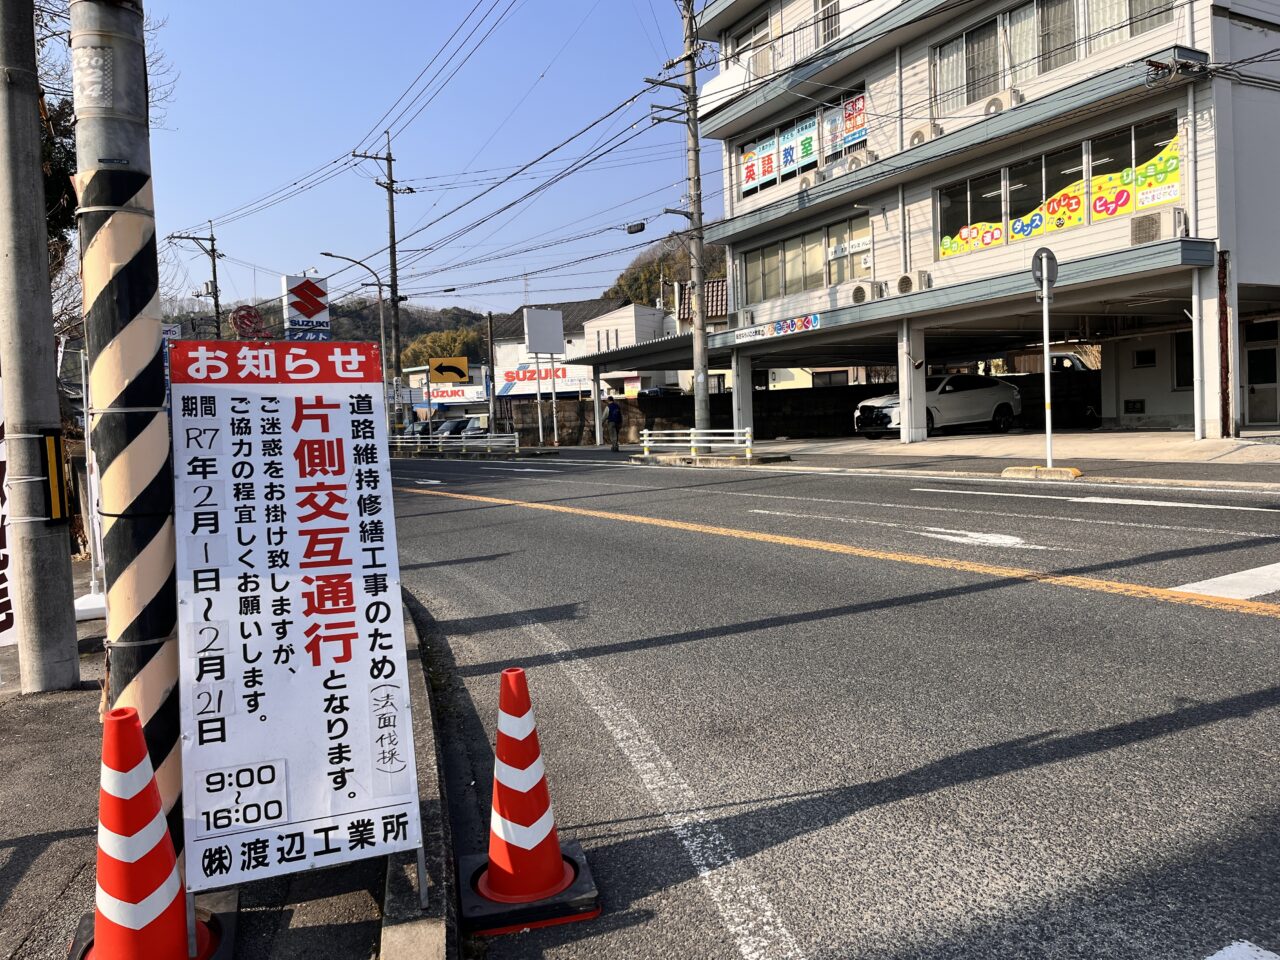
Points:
(211, 251)
(40, 555)
(701, 395)
(130, 423)
(390, 186)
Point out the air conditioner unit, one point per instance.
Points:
(924, 134)
(914, 282)
(810, 180)
(857, 161)
(1002, 101)
(1160, 225)
(866, 291)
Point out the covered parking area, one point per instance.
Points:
(1130, 296)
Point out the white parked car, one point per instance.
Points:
(952, 400)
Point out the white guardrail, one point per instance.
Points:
(490, 443)
(695, 442)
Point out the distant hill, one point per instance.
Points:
(665, 261)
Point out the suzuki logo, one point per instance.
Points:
(311, 299)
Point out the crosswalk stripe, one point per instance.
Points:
(1243, 585)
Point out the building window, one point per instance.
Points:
(1108, 23)
(751, 47)
(1057, 33)
(1111, 175)
(1064, 189)
(1149, 14)
(949, 76)
(953, 218)
(1024, 42)
(831, 378)
(849, 249)
(1026, 199)
(827, 20)
(799, 264)
(982, 61)
(1183, 366)
(1144, 358)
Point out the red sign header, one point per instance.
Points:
(285, 361)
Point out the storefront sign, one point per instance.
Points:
(798, 144)
(306, 308)
(855, 120)
(767, 160)
(778, 328)
(457, 393)
(297, 745)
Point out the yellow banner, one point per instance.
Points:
(1112, 194)
(976, 236)
(1027, 226)
(1159, 180)
(1066, 209)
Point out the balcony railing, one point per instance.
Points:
(744, 69)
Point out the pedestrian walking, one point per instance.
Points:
(613, 417)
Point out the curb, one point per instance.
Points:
(686, 460)
(1041, 473)
(410, 931)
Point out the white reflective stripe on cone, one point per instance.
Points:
(517, 779)
(526, 838)
(128, 784)
(134, 848)
(517, 728)
(136, 916)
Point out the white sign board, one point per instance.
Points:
(306, 308)
(543, 331)
(297, 745)
(517, 374)
(8, 633)
(443, 393)
(778, 328)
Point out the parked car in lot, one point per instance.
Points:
(952, 400)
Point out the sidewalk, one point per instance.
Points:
(1162, 458)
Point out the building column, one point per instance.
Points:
(912, 411)
(595, 402)
(743, 389)
(1224, 398)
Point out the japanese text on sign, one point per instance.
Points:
(297, 750)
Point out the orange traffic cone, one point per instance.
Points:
(529, 879)
(141, 908)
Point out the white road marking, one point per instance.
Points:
(1120, 501)
(747, 913)
(1243, 585)
(973, 537)
(1244, 950)
(519, 470)
(929, 508)
(427, 483)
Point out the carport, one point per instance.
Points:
(1115, 296)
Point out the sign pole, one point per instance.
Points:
(555, 410)
(537, 368)
(1048, 395)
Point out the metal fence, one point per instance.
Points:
(698, 442)
(489, 443)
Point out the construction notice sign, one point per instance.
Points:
(297, 746)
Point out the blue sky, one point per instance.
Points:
(266, 93)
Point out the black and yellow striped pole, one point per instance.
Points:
(128, 418)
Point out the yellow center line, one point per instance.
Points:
(1118, 588)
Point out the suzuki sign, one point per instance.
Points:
(306, 308)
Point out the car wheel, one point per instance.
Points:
(1002, 421)
(873, 435)
(928, 423)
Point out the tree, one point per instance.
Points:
(460, 342)
(664, 262)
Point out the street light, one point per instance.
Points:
(382, 320)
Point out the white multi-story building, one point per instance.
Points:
(892, 166)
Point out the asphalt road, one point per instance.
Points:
(795, 715)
